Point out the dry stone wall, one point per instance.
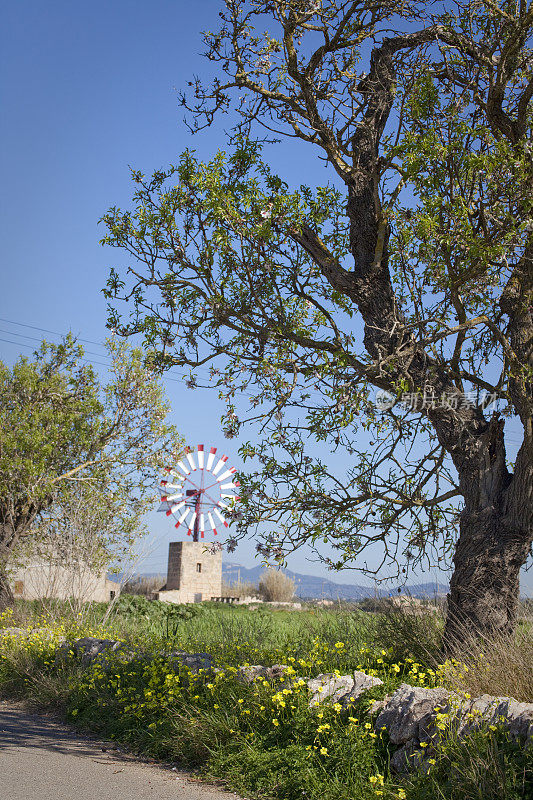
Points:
(412, 716)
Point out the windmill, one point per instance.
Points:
(197, 492)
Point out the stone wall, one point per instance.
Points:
(417, 719)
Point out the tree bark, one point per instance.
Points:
(484, 589)
(496, 525)
(6, 595)
(9, 537)
(496, 533)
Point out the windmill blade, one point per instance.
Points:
(211, 521)
(167, 498)
(182, 517)
(221, 518)
(202, 524)
(235, 485)
(191, 522)
(211, 458)
(172, 471)
(220, 464)
(182, 466)
(226, 474)
(201, 456)
(190, 459)
(172, 485)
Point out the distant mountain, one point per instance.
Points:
(310, 587)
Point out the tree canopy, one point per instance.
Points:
(410, 273)
(62, 433)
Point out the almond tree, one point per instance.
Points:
(410, 273)
(60, 428)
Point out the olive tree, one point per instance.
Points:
(75, 454)
(410, 273)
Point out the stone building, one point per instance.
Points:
(41, 579)
(194, 573)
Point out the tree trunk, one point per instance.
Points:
(9, 537)
(484, 589)
(6, 595)
(496, 533)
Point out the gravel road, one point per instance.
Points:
(42, 759)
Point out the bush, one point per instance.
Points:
(487, 764)
(239, 589)
(276, 587)
(372, 604)
(143, 585)
(262, 738)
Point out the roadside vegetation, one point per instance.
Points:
(262, 738)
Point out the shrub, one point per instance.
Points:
(143, 584)
(484, 765)
(239, 589)
(275, 586)
(371, 604)
(262, 738)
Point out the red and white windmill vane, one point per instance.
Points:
(194, 493)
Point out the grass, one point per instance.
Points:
(494, 666)
(262, 738)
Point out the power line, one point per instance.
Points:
(78, 338)
(56, 333)
(166, 376)
(37, 339)
(85, 360)
(46, 330)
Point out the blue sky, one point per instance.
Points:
(88, 89)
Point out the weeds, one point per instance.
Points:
(408, 635)
(485, 765)
(498, 666)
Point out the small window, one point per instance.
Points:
(198, 567)
(112, 595)
(19, 587)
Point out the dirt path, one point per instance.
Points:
(42, 759)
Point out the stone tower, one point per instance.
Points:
(194, 574)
